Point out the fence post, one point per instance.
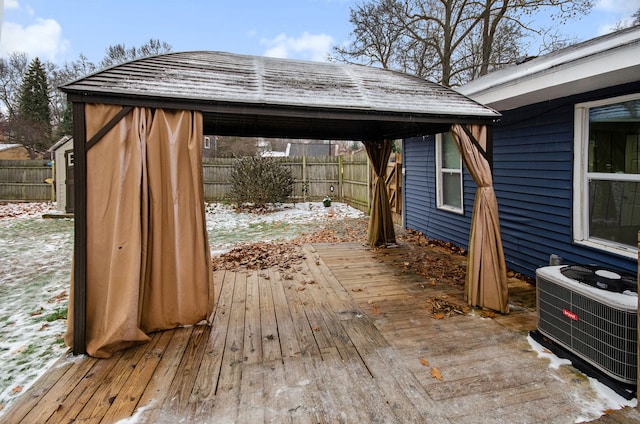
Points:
(304, 177)
(340, 193)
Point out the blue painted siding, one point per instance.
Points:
(533, 179)
(533, 173)
(420, 210)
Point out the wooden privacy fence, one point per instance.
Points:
(25, 180)
(394, 184)
(314, 178)
(343, 178)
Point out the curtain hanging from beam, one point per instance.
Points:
(148, 260)
(380, 231)
(486, 283)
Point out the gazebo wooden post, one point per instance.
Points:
(80, 231)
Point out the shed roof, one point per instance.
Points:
(262, 96)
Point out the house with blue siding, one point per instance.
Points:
(565, 159)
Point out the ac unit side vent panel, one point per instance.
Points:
(602, 334)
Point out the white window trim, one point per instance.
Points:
(581, 183)
(439, 170)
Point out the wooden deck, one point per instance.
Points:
(347, 336)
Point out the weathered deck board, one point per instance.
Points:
(339, 338)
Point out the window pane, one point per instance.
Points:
(450, 154)
(614, 137)
(614, 213)
(451, 189)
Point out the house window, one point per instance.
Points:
(448, 174)
(607, 179)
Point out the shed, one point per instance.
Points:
(141, 255)
(62, 152)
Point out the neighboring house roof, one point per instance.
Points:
(309, 149)
(606, 61)
(9, 146)
(262, 96)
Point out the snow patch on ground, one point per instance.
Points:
(227, 227)
(603, 399)
(138, 414)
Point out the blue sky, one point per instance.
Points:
(60, 30)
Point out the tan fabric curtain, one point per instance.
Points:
(380, 232)
(486, 284)
(148, 264)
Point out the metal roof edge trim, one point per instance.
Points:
(266, 109)
(559, 60)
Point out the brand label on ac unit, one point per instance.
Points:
(567, 313)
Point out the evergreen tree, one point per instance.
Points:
(33, 126)
(65, 127)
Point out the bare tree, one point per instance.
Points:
(378, 36)
(12, 70)
(449, 41)
(58, 76)
(119, 53)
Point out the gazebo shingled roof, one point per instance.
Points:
(261, 96)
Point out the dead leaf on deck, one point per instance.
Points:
(315, 328)
(357, 289)
(16, 389)
(441, 307)
(424, 362)
(488, 314)
(435, 373)
(375, 309)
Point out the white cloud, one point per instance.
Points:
(314, 47)
(11, 4)
(42, 38)
(623, 7)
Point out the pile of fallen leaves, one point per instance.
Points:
(337, 231)
(261, 255)
(24, 209)
(441, 306)
(418, 239)
(437, 261)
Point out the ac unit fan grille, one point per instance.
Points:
(604, 336)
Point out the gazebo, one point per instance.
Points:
(141, 256)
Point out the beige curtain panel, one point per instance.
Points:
(486, 283)
(148, 260)
(380, 231)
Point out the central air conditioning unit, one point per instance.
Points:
(592, 313)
